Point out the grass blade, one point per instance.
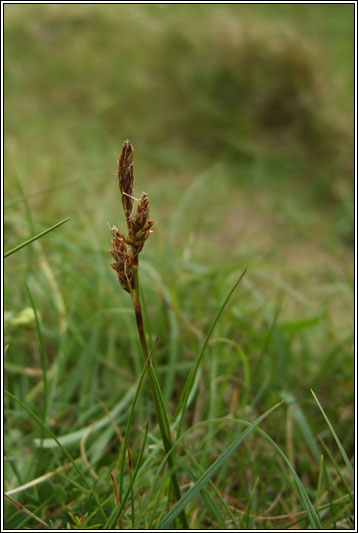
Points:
(191, 378)
(338, 470)
(320, 479)
(140, 457)
(306, 502)
(130, 419)
(335, 436)
(191, 474)
(302, 423)
(196, 488)
(35, 237)
(131, 484)
(42, 354)
(309, 510)
(64, 451)
(77, 435)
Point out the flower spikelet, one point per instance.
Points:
(126, 178)
(122, 260)
(140, 224)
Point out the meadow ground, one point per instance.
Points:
(241, 120)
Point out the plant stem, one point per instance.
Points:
(155, 388)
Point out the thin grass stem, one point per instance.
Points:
(155, 389)
(130, 420)
(131, 483)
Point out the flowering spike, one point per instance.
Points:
(125, 177)
(139, 225)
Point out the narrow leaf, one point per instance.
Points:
(42, 354)
(196, 488)
(191, 378)
(32, 239)
(335, 436)
(130, 418)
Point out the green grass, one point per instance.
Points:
(241, 120)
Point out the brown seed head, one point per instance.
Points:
(122, 260)
(139, 224)
(125, 177)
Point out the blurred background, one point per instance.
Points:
(242, 121)
(257, 98)
(241, 117)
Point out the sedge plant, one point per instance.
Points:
(125, 252)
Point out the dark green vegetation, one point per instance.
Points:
(241, 120)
